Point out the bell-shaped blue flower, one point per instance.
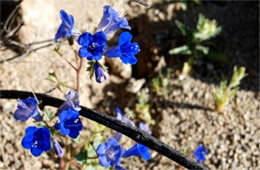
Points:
(70, 123)
(100, 74)
(111, 21)
(125, 50)
(120, 116)
(66, 28)
(110, 153)
(72, 101)
(138, 150)
(37, 140)
(200, 153)
(93, 46)
(57, 148)
(27, 108)
(145, 127)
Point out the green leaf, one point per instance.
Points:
(91, 69)
(182, 50)
(50, 115)
(186, 150)
(184, 30)
(52, 77)
(216, 57)
(81, 157)
(41, 124)
(206, 28)
(238, 75)
(203, 49)
(70, 40)
(232, 92)
(52, 130)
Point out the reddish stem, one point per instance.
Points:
(78, 74)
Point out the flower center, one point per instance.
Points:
(92, 46)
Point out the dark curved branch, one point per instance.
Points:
(111, 122)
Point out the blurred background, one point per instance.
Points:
(187, 49)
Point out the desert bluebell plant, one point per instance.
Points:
(55, 130)
(66, 28)
(57, 148)
(70, 124)
(110, 153)
(200, 153)
(38, 140)
(111, 21)
(125, 50)
(138, 150)
(93, 46)
(27, 108)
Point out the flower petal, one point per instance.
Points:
(85, 39)
(128, 59)
(36, 151)
(99, 38)
(103, 161)
(125, 37)
(83, 52)
(113, 52)
(130, 48)
(27, 141)
(101, 149)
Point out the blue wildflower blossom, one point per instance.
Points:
(111, 21)
(120, 116)
(57, 148)
(145, 128)
(70, 123)
(27, 108)
(200, 153)
(138, 150)
(66, 28)
(93, 46)
(110, 153)
(72, 101)
(37, 140)
(126, 50)
(100, 74)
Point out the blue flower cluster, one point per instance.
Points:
(39, 139)
(93, 46)
(111, 152)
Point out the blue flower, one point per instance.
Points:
(111, 21)
(126, 50)
(145, 128)
(37, 140)
(110, 153)
(100, 74)
(93, 46)
(72, 101)
(27, 108)
(200, 153)
(120, 116)
(57, 148)
(66, 28)
(138, 150)
(70, 123)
